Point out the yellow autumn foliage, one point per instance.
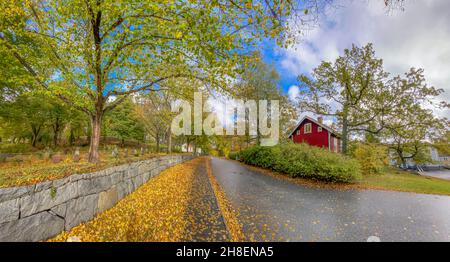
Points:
(154, 212)
(372, 157)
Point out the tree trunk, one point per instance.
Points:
(169, 144)
(402, 159)
(56, 129)
(71, 137)
(89, 131)
(344, 130)
(96, 124)
(157, 143)
(35, 134)
(258, 138)
(33, 140)
(55, 139)
(187, 145)
(403, 162)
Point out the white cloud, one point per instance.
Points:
(293, 92)
(416, 37)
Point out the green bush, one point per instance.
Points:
(302, 160)
(233, 155)
(372, 157)
(214, 152)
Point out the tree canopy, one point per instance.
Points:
(93, 54)
(96, 49)
(367, 100)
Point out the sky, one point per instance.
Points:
(417, 37)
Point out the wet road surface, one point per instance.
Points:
(442, 174)
(272, 209)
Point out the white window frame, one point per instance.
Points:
(298, 132)
(306, 131)
(319, 129)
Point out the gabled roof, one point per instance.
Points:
(329, 129)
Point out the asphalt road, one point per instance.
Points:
(271, 209)
(442, 174)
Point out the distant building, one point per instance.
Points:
(436, 159)
(315, 133)
(185, 148)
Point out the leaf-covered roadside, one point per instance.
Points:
(177, 205)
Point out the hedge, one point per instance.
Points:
(302, 160)
(233, 155)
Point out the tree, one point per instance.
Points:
(122, 122)
(58, 117)
(356, 83)
(26, 117)
(77, 126)
(13, 78)
(37, 117)
(259, 81)
(154, 111)
(97, 49)
(407, 138)
(442, 142)
(87, 51)
(409, 126)
(369, 101)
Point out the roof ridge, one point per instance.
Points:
(316, 122)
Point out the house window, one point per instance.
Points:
(298, 132)
(307, 128)
(319, 129)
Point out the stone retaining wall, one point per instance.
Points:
(41, 211)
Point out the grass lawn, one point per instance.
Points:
(393, 179)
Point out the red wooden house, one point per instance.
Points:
(317, 134)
